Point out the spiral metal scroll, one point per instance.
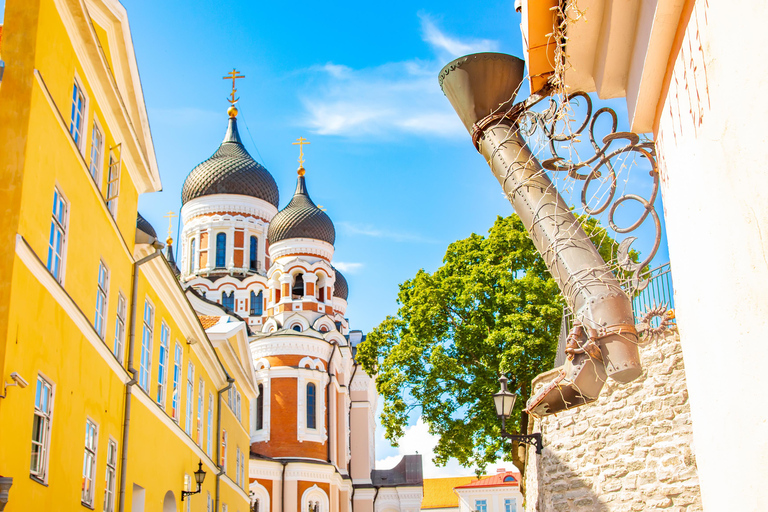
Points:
(600, 168)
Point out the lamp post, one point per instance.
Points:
(199, 478)
(505, 402)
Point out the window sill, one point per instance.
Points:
(87, 505)
(38, 480)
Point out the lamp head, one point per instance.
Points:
(199, 474)
(504, 400)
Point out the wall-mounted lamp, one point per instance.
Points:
(505, 402)
(17, 379)
(199, 478)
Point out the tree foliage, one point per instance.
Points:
(491, 308)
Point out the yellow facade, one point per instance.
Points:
(47, 321)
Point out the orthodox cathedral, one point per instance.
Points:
(313, 421)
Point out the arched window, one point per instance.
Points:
(311, 403)
(192, 255)
(221, 250)
(228, 301)
(298, 286)
(255, 505)
(260, 408)
(296, 328)
(509, 478)
(257, 303)
(253, 257)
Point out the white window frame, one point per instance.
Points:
(145, 354)
(209, 434)
(113, 181)
(513, 502)
(477, 504)
(96, 165)
(102, 293)
(237, 465)
(59, 225)
(40, 472)
(262, 377)
(319, 378)
(200, 406)
(122, 308)
(110, 476)
(177, 378)
(242, 469)
(190, 397)
(79, 136)
(223, 442)
(88, 492)
(162, 364)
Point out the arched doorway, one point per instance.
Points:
(169, 502)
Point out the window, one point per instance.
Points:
(89, 462)
(510, 504)
(188, 487)
(41, 429)
(221, 250)
(113, 183)
(77, 117)
(109, 486)
(296, 328)
(313, 506)
(237, 465)
(257, 303)
(481, 506)
(209, 438)
(176, 382)
(311, 416)
(120, 327)
(242, 469)
(190, 393)
(509, 478)
(298, 286)
(228, 301)
(162, 369)
(58, 237)
(200, 398)
(224, 449)
(210, 503)
(97, 149)
(99, 322)
(145, 360)
(237, 406)
(260, 408)
(255, 505)
(192, 255)
(253, 254)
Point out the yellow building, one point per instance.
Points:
(112, 392)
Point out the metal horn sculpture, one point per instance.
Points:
(481, 88)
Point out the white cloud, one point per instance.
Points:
(349, 267)
(417, 439)
(396, 98)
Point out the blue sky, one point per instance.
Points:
(388, 159)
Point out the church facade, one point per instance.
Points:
(313, 421)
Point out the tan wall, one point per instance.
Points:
(630, 450)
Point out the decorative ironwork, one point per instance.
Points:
(534, 439)
(600, 168)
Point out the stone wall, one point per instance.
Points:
(630, 450)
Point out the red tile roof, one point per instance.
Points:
(208, 321)
(505, 479)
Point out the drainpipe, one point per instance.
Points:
(282, 487)
(222, 469)
(328, 402)
(129, 385)
(349, 422)
(481, 88)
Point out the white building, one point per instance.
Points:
(497, 493)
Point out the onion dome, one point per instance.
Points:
(301, 219)
(340, 289)
(144, 225)
(230, 170)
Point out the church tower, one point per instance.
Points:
(312, 424)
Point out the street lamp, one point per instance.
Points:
(199, 478)
(505, 402)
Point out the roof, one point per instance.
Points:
(144, 225)
(341, 288)
(301, 218)
(497, 480)
(438, 492)
(230, 170)
(407, 472)
(208, 321)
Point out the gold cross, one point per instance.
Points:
(170, 216)
(233, 75)
(300, 142)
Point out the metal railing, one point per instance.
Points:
(658, 292)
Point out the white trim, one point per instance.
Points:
(319, 434)
(303, 246)
(239, 490)
(39, 270)
(259, 492)
(81, 143)
(314, 493)
(263, 435)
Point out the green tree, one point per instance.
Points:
(492, 308)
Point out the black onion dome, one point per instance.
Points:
(340, 289)
(301, 219)
(230, 170)
(144, 225)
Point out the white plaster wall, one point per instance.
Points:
(712, 145)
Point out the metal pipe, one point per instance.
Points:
(328, 403)
(282, 487)
(129, 385)
(221, 470)
(481, 88)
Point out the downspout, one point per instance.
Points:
(349, 422)
(282, 487)
(221, 470)
(328, 403)
(482, 88)
(129, 385)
